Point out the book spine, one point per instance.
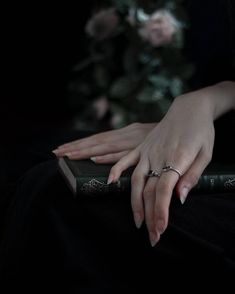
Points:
(215, 183)
(207, 183)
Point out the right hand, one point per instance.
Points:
(109, 146)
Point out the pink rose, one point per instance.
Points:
(160, 28)
(103, 24)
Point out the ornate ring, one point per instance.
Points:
(153, 173)
(169, 168)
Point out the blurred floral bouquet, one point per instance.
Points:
(135, 65)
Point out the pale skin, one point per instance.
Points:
(184, 139)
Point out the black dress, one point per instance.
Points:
(91, 245)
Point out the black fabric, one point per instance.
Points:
(91, 245)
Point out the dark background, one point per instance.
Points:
(40, 45)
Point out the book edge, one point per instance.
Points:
(67, 174)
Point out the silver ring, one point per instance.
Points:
(153, 173)
(169, 167)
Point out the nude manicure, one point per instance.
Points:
(138, 220)
(183, 194)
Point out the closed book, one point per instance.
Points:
(84, 177)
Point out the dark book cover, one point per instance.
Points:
(84, 177)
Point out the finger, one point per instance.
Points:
(164, 190)
(192, 175)
(138, 181)
(163, 194)
(100, 138)
(149, 203)
(97, 138)
(78, 144)
(104, 137)
(125, 162)
(109, 158)
(96, 150)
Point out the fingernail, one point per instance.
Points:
(160, 226)
(93, 159)
(138, 220)
(154, 238)
(110, 179)
(55, 151)
(183, 194)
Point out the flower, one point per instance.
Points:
(103, 24)
(160, 28)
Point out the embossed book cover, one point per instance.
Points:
(84, 177)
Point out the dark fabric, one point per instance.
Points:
(91, 245)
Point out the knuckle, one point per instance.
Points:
(135, 125)
(176, 154)
(180, 154)
(183, 155)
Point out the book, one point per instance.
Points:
(84, 177)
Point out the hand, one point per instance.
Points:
(107, 147)
(183, 139)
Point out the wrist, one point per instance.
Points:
(224, 98)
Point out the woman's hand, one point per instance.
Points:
(107, 147)
(184, 139)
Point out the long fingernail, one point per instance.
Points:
(183, 194)
(93, 159)
(154, 238)
(138, 220)
(56, 151)
(160, 226)
(110, 179)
